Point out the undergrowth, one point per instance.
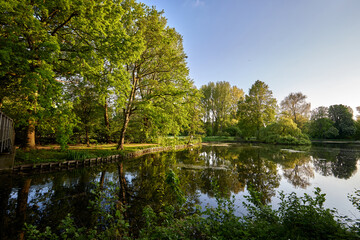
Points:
(303, 217)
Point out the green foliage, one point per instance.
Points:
(53, 41)
(323, 128)
(342, 115)
(65, 124)
(233, 131)
(77, 155)
(302, 217)
(221, 222)
(219, 101)
(160, 92)
(297, 218)
(357, 133)
(284, 131)
(355, 200)
(52, 155)
(333, 122)
(173, 181)
(295, 107)
(218, 139)
(108, 215)
(256, 110)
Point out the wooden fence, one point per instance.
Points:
(7, 134)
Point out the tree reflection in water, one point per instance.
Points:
(45, 199)
(297, 167)
(338, 162)
(255, 169)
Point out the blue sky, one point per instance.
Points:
(311, 46)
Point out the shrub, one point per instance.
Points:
(296, 218)
(233, 131)
(284, 131)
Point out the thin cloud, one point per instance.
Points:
(194, 3)
(198, 3)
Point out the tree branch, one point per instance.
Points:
(63, 24)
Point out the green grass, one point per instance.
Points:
(78, 152)
(218, 139)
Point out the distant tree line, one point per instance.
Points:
(258, 116)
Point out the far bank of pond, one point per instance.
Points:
(45, 199)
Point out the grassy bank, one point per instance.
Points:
(220, 139)
(52, 153)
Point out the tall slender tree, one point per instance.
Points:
(220, 101)
(257, 110)
(158, 80)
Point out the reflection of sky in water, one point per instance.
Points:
(38, 190)
(310, 172)
(210, 158)
(336, 189)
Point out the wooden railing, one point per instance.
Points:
(7, 134)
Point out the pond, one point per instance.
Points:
(45, 199)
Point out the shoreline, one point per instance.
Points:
(72, 164)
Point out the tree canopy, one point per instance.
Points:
(342, 115)
(257, 110)
(295, 106)
(47, 43)
(220, 103)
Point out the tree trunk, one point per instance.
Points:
(87, 136)
(22, 206)
(5, 220)
(128, 112)
(30, 135)
(107, 123)
(102, 179)
(123, 184)
(190, 138)
(30, 140)
(123, 130)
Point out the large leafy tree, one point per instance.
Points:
(220, 101)
(321, 125)
(42, 43)
(257, 110)
(319, 112)
(295, 106)
(158, 81)
(323, 128)
(86, 107)
(342, 115)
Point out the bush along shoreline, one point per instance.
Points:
(303, 217)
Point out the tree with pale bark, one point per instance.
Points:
(295, 107)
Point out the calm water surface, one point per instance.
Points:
(45, 199)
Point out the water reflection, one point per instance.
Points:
(44, 199)
(297, 168)
(253, 168)
(340, 163)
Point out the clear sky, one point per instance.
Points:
(308, 46)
